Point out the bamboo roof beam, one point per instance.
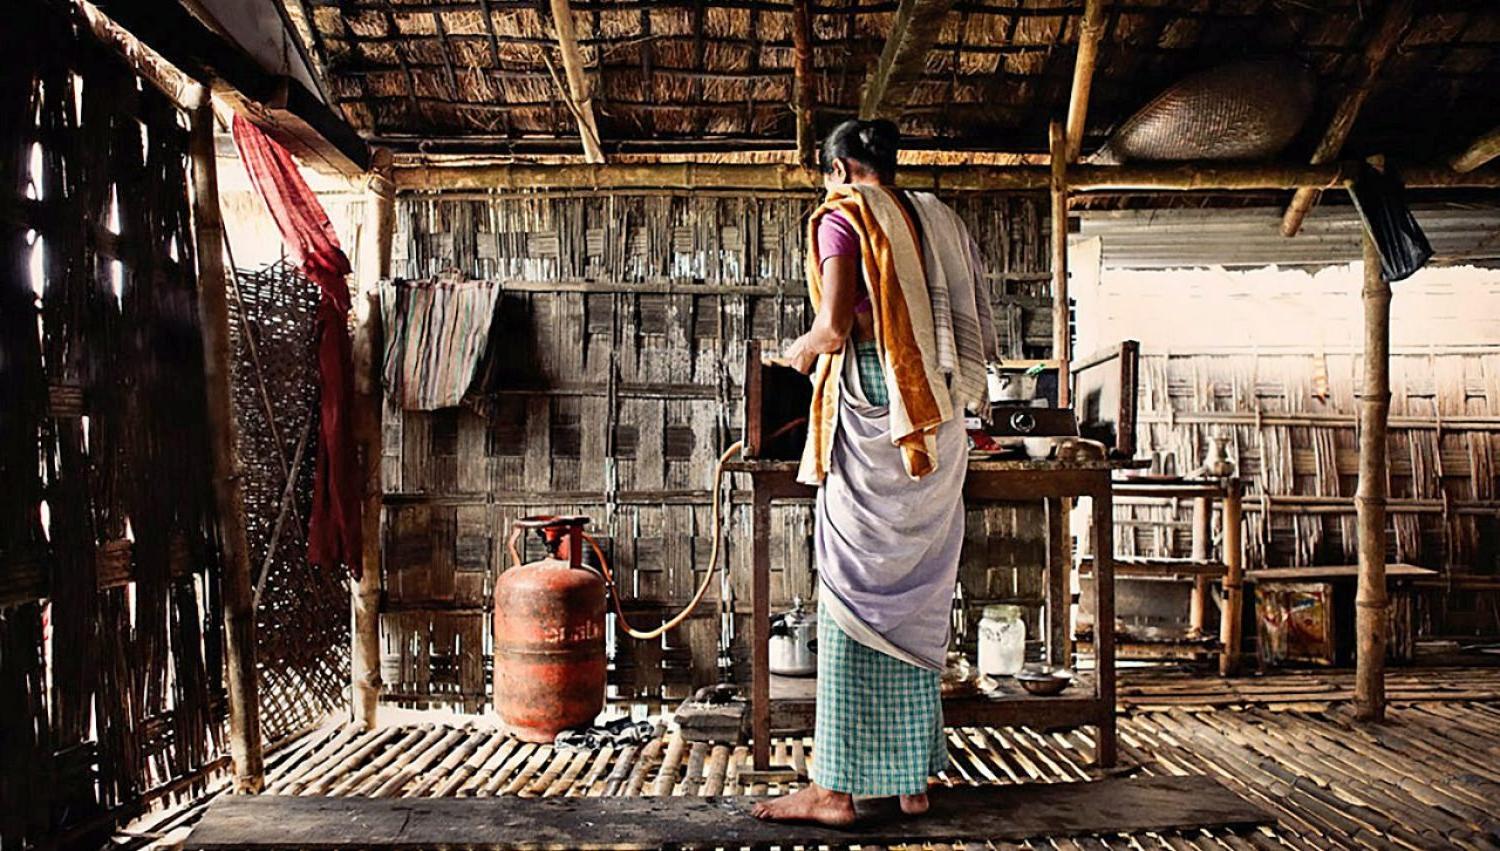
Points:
(778, 177)
(308, 42)
(903, 59)
(580, 98)
(1089, 32)
(1483, 149)
(280, 105)
(803, 93)
(1382, 42)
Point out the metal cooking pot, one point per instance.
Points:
(794, 642)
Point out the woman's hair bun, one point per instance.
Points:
(872, 144)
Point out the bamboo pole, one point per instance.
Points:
(1202, 551)
(1481, 151)
(1089, 31)
(364, 664)
(803, 93)
(1058, 185)
(889, 84)
(229, 503)
(1372, 605)
(1378, 48)
(1231, 626)
(782, 177)
(1062, 344)
(580, 99)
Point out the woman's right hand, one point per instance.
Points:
(800, 355)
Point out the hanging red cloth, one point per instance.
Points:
(334, 528)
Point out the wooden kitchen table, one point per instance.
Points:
(1091, 699)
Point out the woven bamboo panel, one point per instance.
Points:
(611, 388)
(1290, 423)
(302, 622)
(111, 646)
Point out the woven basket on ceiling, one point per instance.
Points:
(1242, 111)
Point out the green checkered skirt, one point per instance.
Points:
(871, 373)
(879, 720)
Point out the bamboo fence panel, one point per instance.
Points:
(302, 612)
(1290, 424)
(111, 645)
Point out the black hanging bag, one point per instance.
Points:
(1380, 199)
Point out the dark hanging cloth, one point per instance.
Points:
(1380, 198)
(334, 529)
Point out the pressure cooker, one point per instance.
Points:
(794, 642)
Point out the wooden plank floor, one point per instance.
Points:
(1428, 779)
(993, 812)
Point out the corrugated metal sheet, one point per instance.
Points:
(1157, 239)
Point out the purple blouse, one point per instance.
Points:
(836, 238)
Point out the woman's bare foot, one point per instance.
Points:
(914, 805)
(812, 803)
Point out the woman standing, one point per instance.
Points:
(896, 352)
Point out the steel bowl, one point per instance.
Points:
(1045, 681)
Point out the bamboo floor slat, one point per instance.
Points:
(1429, 778)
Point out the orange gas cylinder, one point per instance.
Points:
(549, 636)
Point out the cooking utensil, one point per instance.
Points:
(794, 642)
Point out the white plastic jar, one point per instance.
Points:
(1002, 641)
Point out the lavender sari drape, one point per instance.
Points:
(887, 545)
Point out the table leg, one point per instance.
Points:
(760, 627)
(1104, 622)
(1059, 587)
(1231, 628)
(1202, 551)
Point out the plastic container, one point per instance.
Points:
(1002, 641)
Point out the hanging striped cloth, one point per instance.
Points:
(436, 335)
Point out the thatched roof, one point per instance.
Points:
(485, 75)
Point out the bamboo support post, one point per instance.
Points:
(364, 665)
(1378, 48)
(1059, 584)
(1202, 551)
(580, 98)
(1231, 620)
(239, 596)
(803, 93)
(1061, 339)
(1089, 32)
(1372, 605)
(1062, 354)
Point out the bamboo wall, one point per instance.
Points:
(619, 345)
(111, 645)
(1270, 360)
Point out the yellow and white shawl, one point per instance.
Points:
(906, 337)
